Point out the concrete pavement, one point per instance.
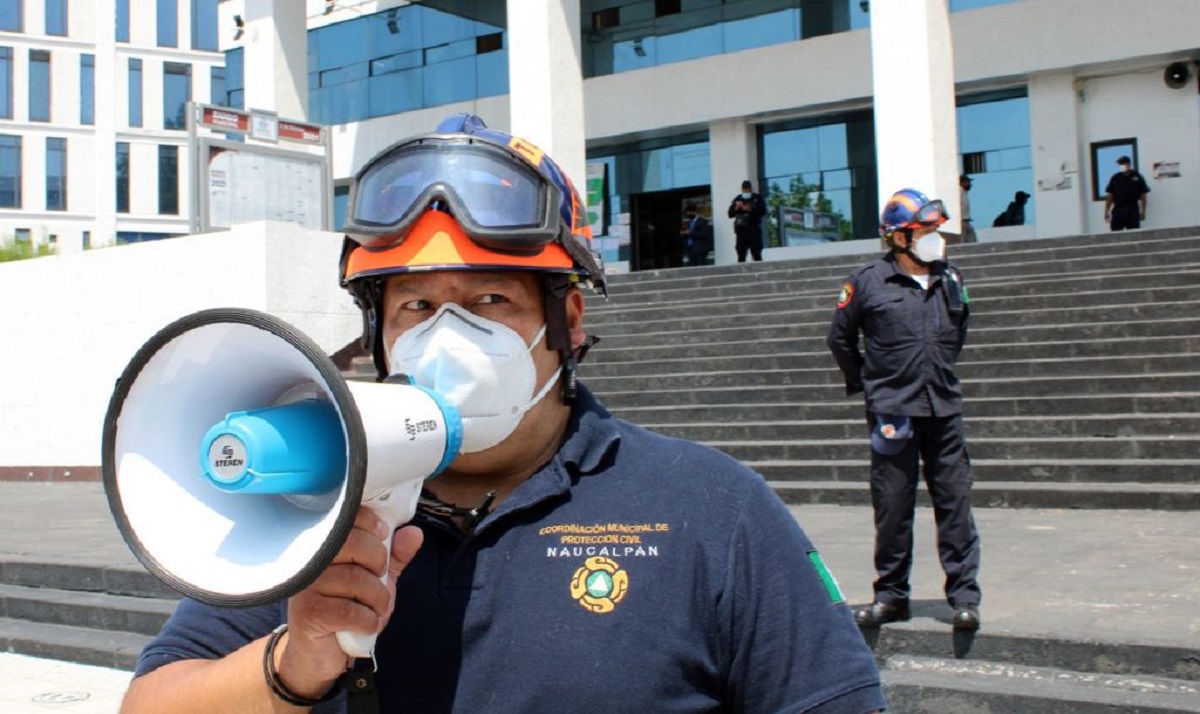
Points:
(1122, 578)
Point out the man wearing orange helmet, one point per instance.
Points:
(911, 308)
(564, 555)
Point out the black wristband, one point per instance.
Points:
(278, 688)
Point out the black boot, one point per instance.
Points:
(966, 617)
(881, 613)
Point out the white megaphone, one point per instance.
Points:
(235, 457)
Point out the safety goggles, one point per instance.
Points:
(931, 214)
(500, 201)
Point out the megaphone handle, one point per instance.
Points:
(396, 507)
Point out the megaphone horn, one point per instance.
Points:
(235, 456)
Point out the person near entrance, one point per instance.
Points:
(911, 308)
(699, 236)
(1125, 197)
(565, 555)
(964, 214)
(747, 210)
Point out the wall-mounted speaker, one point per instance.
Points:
(1177, 75)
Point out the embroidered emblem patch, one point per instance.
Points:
(599, 584)
(831, 585)
(846, 296)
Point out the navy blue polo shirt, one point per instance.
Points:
(632, 573)
(912, 338)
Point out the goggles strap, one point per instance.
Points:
(558, 335)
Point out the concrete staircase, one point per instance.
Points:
(1081, 392)
(80, 613)
(1080, 375)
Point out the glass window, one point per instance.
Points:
(993, 129)
(127, 237)
(10, 171)
(135, 92)
(87, 89)
(12, 15)
(216, 86)
(204, 25)
(177, 92)
(122, 21)
(56, 174)
(399, 60)
(6, 83)
(234, 79)
(168, 180)
(957, 5)
(122, 177)
(819, 179)
(56, 17)
(168, 23)
(341, 201)
(39, 85)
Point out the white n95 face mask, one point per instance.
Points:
(482, 367)
(929, 248)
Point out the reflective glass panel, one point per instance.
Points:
(204, 25)
(135, 92)
(39, 85)
(87, 89)
(122, 169)
(12, 15)
(122, 21)
(56, 174)
(402, 59)
(168, 23)
(996, 131)
(56, 17)
(819, 180)
(177, 92)
(6, 83)
(168, 180)
(10, 171)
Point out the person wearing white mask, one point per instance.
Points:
(911, 308)
(747, 210)
(565, 555)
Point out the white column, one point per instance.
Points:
(546, 80)
(916, 136)
(732, 160)
(111, 102)
(1062, 189)
(276, 58)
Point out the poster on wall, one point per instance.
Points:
(245, 185)
(1166, 169)
(596, 194)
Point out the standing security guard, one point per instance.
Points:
(911, 307)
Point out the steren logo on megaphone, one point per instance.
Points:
(228, 458)
(417, 427)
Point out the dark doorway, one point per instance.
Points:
(659, 228)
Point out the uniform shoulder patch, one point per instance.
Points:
(831, 585)
(846, 295)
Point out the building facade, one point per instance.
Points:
(683, 99)
(93, 140)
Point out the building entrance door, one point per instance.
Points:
(659, 228)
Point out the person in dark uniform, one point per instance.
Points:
(747, 210)
(699, 236)
(565, 556)
(1125, 197)
(911, 308)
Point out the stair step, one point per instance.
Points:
(103, 648)
(91, 610)
(1010, 494)
(936, 685)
